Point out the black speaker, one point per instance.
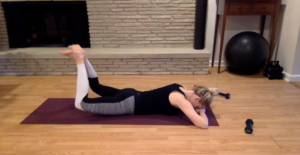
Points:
(200, 24)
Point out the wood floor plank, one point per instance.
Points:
(272, 104)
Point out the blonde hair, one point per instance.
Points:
(206, 94)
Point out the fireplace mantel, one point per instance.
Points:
(51, 53)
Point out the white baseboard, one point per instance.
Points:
(291, 78)
(216, 63)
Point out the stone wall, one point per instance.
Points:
(3, 30)
(141, 23)
(133, 23)
(104, 66)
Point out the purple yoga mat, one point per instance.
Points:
(63, 111)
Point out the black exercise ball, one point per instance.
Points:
(246, 53)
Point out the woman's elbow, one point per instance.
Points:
(202, 125)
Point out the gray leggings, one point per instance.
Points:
(112, 101)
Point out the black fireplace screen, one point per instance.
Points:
(47, 24)
(200, 24)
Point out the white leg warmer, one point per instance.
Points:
(82, 85)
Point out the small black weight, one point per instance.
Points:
(275, 76)
(249, 124)
(275, 70)
(227, 96)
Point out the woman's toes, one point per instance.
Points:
(66, 52)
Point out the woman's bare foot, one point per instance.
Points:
(75, 52)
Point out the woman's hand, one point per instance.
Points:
(203, 110)
(200, 110)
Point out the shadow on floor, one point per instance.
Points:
(4, 90)
(258, 75)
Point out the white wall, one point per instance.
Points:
(288, 35)
(289, 38)
(210, 24)
(296, 64)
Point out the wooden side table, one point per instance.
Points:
(244, 8)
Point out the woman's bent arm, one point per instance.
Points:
(185, 106)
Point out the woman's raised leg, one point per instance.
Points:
(78, 55)
(121, 104)
(102, 90)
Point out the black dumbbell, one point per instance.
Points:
(275, 69)
(227, 96)
(248, 128)
(275, 76)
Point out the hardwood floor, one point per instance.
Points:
(296, 84)
(272, 104)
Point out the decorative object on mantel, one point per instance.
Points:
(244, 8)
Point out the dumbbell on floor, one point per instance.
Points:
(249, 124)
(227, 96)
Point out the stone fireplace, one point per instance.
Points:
(141, 23)
(125, 37)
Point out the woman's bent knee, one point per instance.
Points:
(78, 105)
